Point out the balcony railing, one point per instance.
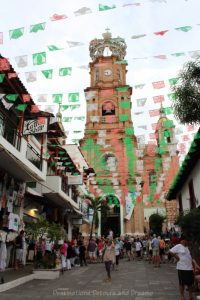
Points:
(34, 157)
(74, 195)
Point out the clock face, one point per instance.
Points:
(107, 72)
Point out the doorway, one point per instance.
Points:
(110, 217)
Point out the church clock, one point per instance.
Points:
(107, 72)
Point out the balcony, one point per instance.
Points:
(18, 157)
(34, 157)
(65, 186)
(56, 190)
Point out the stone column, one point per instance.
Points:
(138, 219)
(121, 219)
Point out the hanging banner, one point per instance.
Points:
(34, 126)
(129, 206)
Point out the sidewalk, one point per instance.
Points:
(11, 278)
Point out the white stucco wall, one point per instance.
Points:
(195, 175)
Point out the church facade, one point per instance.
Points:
(132, 176)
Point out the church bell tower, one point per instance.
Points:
(109, 143)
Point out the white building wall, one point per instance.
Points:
(195, 175)
(197, 182)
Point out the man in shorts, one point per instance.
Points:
(184, 266)
(92, 248)
(155, 243)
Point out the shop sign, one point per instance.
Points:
(34, 126)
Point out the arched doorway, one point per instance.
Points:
(110, 217)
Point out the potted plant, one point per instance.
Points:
(40, 229)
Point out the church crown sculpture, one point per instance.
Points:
(117, 46)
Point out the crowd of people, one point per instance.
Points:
(80, 251)
(156, 250)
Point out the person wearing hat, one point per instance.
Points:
(184, 266)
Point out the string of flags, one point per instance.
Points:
(193, 54)
(17, 33)
(74, 97)
(40, 59)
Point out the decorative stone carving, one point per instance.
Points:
(117, 46)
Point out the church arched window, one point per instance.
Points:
(108, 108)
(110, 162)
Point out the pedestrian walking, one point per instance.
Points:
(63, 252)
(128, 246)
(138, 247)
(100, 249)
(149, 249)
(109, 258)
(117, 254)
(82, 250)
(184, 266)
(162, 249)
(156, 248)
(69, 256)
(92, 247)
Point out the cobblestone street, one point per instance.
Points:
(135, 280)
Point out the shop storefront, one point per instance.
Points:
(11, 216)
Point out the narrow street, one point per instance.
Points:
(135, 280)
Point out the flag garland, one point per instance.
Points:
(37, 27)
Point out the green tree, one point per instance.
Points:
(189, 223)
(97, 204)
(42, 228)
(187, 94)
(37, 228)
(55, 232)
(155, 223)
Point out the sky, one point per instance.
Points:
(161, 35)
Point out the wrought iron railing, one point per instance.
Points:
(34, 157)
(65, 186)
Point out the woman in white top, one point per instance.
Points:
(184, 266)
